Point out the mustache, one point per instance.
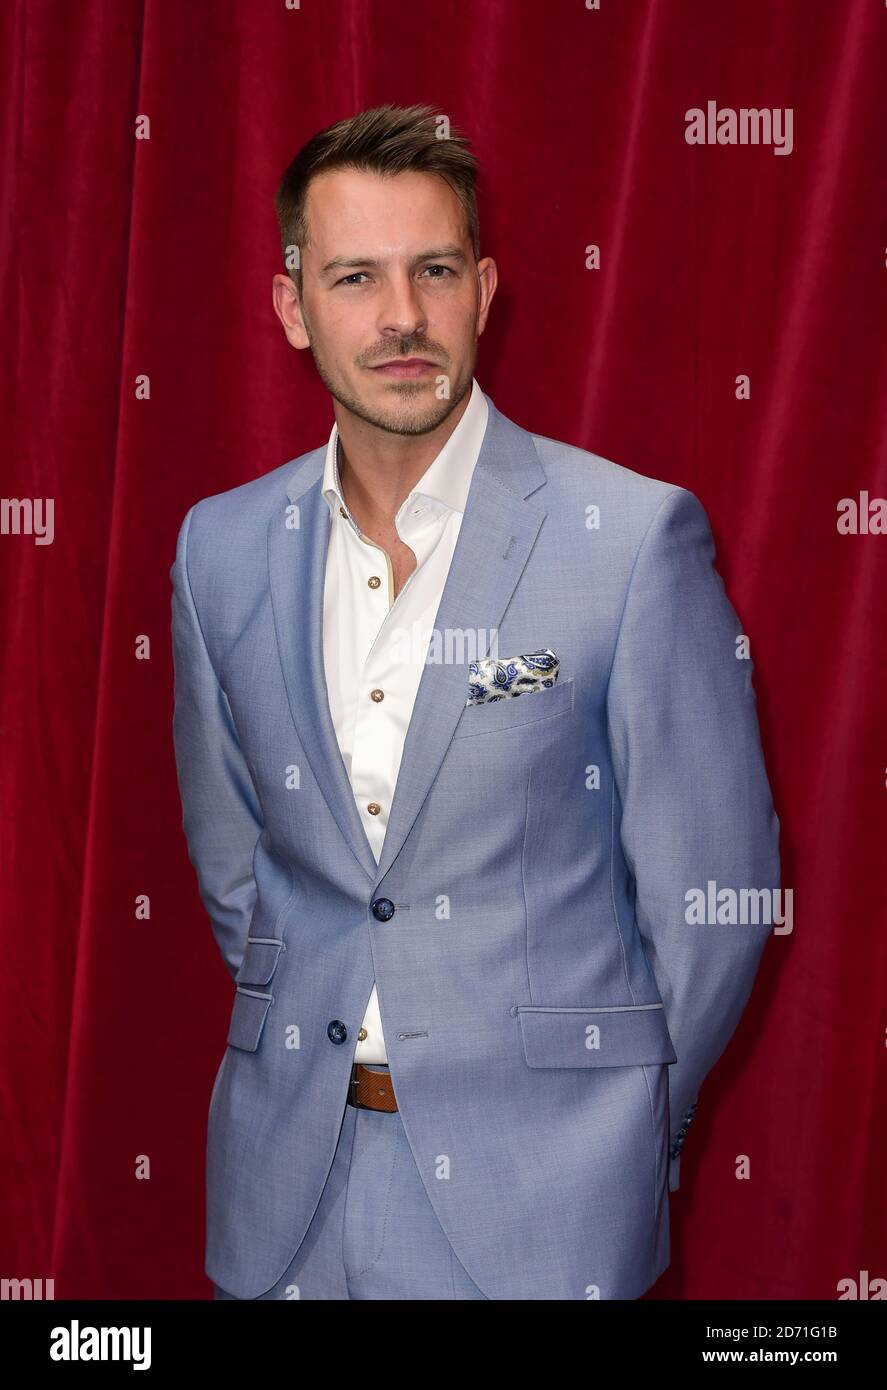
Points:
(405, 350)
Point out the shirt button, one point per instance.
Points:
(362, 1035)
(344, 513)
(377, 695)
(373, 807)
(374, 581)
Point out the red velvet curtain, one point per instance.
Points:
(146, 262)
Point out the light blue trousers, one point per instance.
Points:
(374, 1233)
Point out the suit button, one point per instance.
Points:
(383, 909)
(336, 1031)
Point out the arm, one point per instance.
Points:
(696, 804)
(221, 817)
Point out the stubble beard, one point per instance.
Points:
(414, 414)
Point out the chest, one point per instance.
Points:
(403, 562)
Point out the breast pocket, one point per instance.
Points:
(513, 711)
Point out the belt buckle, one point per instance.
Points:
(353, 1098)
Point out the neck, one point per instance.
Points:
(378, 469)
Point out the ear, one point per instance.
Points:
(288, 308)
(489, 279)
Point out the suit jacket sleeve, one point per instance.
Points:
(221, 817)
(690, 778)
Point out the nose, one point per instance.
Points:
(401, 311)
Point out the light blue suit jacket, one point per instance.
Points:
(549, 1012)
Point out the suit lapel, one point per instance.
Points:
(297, 568)
(497, 534)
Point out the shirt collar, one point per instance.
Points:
(444, 484)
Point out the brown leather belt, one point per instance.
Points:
(371, 1090)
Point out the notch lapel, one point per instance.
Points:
(496, 537)
(498, 531)
(297, 569)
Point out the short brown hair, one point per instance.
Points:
(381, 140)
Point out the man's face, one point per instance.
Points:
(389, 277)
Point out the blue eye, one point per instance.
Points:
(356, 275)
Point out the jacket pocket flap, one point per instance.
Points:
(259, 960)
(248, 1018)
(617, 1036)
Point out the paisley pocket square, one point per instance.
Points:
(500, 678)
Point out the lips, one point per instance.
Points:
(405, 367)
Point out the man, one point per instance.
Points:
(473, 1010)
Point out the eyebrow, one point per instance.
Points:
(450, 253)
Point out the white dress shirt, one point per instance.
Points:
(375, 644)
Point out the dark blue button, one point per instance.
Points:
(383, 909)
(336, 1031)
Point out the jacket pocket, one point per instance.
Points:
(248, 1018)
(514, 710)
(260, 960)
(617, 1035)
